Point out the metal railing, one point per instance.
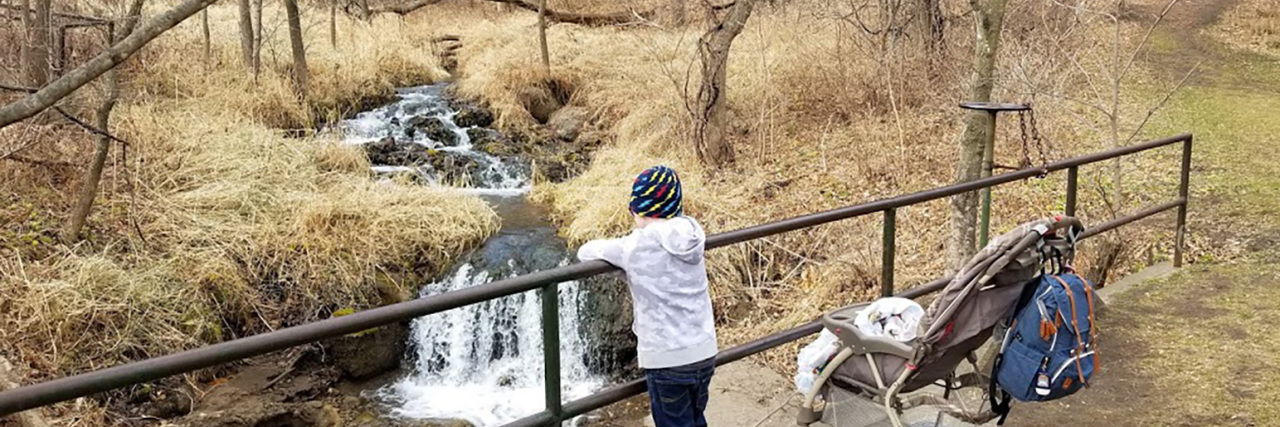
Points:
(547, 281)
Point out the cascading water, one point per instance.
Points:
(403, 122)
(481, 363)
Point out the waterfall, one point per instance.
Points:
(481, 363)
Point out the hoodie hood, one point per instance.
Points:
(682, 237)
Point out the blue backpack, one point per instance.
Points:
(1048, 351)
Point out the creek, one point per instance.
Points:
(481, 363)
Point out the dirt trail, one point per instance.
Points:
(1179, 351)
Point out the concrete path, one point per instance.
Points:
(745, 394)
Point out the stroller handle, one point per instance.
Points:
(1072, 224)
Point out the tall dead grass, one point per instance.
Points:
(824, 117)
(216, 224)
(1252, 24)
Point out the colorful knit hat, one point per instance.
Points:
(656, 193)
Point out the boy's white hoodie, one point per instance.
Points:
(673, 323)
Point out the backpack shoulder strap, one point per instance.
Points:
(1075, 324)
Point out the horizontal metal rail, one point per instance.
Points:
(81, 385)
(636, 387)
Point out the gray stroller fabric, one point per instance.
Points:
(962, 317)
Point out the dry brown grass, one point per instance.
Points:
(819, 123)
(256, 221)
(1253, 25)
(217, 225)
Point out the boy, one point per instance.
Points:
(673, 322)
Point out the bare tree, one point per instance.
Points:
(333, 24)
(710, 116)
(35, 52)
(299, 50)
(102, 116)
(1112, 72)
(542, 36)
(204, 26)
(988, 22)
(934, 26)
(257, 38)
(246, 34)
(1102, 67)
(103, 62)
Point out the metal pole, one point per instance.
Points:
(551, 349)
(988, 159)
(1183, 191)
(890, 246)
(1073, 178)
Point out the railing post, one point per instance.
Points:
(551, 349)
(988, 157)
(1073, 177)
(1183, 191)
(890, 246)
(988, 166)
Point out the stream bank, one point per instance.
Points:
(477, 365)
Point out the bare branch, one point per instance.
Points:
(72, 118)
(1143, 43)
(108, 59)
(1160, 105)
(404, 9)
(1065, 97)
(47, 163)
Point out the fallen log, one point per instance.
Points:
(583, 18)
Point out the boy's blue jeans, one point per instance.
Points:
(678, 395)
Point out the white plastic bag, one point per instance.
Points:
(812, 357)
(897, 318)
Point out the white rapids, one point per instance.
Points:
(481, 363)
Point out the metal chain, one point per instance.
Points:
(1042, 147)
(1025, 161)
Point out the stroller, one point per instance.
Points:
(879, 371)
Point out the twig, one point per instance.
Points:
(88, 127)
(779, 408)
(1068, 98)
(1159, 106)
(68, 116)
(1145, 37)
(293, 363)
(23, 159)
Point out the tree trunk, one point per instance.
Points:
(542, 37)
(208, 44)
(57, 56)
(257, 39)
(246, 35)
(105, 61)
(333, 24)
(710, 115)
(25, 19)
(102, 117)
(933, 29)
(35, 61)
(988, 23)
(299, 51)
